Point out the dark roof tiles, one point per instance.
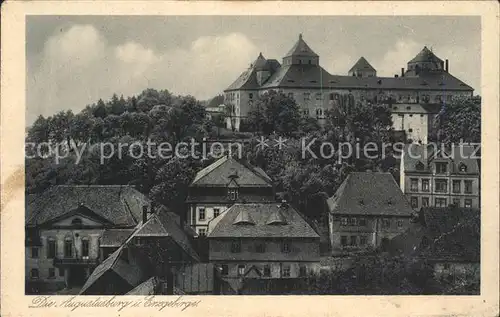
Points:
(369, 193)
(295, 227)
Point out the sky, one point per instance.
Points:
(72, 61)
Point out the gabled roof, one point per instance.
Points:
(149, 287)
(276, 218)
(248, 79)
(218, 174)
(115, 237)
(163, 224)
(243, 218)
(132, 273)
(119, 205)
(260, 63)
(301, 49)
(369, 193)
(362, 64)
(460, 154)
(295, 227)
(425, 55)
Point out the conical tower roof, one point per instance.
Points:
(301, 49)
(425, 55)
(261, 63)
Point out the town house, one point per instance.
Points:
(367, 210)
(64, 229)
(439, 176)
(216, 187)
(263, 241)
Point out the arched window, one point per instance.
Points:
(462, 168)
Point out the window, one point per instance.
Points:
(305, 112)
(224, 269)
(76, 222)
(267, 270)
(386, 223)
(468, 187)
(354, 241)
(362, 240)
(51, 248)
(193, 216)
(285, 247)
(302, 270)
(343, 240)
(85, 247)
(331, 96)
(362, 221)
(34, 273)
(34, 252)
(201, 214)
(216, 212)
(410, 130)
(260, 247)
(307, 96)
(250, 95)
(456, 202)
(462, 168)
(400, 223)
(468, 203)
(441, 185)
(353, 221)
(441, 168)
(286, 270)
(68, 248)
(319, 96)
(425, 201)
(290, 95)
(414, 202)
(425, 185)
(319, 113)
(241, 269)
(202, 232)
(52, 272)
(236, 246)
(343, 221)
(233, 194)
(61, 272)
(414, 185)
(456, 186)
(440, 202)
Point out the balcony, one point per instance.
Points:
(62, 261)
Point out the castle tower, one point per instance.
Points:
(425, 61)
(301, 53)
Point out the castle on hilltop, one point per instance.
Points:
(415, 95)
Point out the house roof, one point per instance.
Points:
(295, 227)
(314, 76)
(248, 78)
(369, 193)
(221, 172)
(119, 205)
(362, 64)
(450, 233)
(132, 272)
(459, 154)
(300, 48)
(164, 224)
(148, 287)
(416, 108)
(115, 237)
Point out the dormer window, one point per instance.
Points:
(441, 168)
(232, 194)
(462, 168)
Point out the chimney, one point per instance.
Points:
(144, 214)
(446, 66)
(402, 72)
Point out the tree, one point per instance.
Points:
(275, 112)
(100, 110)
(460, 120)
(39, 131)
